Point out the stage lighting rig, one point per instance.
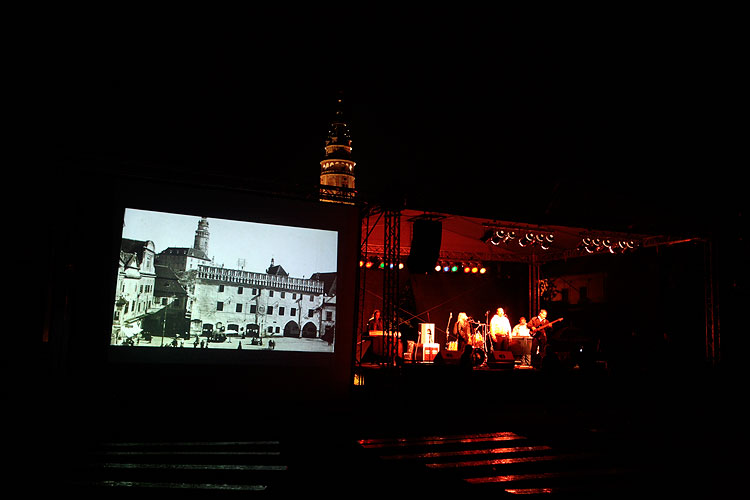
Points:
(543, 239)
(497, 235)
(466, 267)
(590, 244)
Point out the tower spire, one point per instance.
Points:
(337, 167)
(201, 236)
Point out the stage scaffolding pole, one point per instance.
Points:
(391, 248)
(713, 339)
(534, 295)
(362, 327)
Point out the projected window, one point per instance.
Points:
(181, 281)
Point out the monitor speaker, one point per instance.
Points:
(448, 357)
(501, 359)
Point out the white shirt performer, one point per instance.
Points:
(500, 330)
(521, 329)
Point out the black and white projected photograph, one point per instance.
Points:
(196, 282)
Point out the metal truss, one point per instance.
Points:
(391, 246)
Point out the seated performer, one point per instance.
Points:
(522, 335)
(521, 329)
(500, 330)
(375, 323)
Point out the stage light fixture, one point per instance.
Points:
(496, 236)
(482, 270)
(592, 245)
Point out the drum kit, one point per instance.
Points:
(481, 343)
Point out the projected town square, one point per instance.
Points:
(206, 283)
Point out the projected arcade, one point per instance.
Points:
(236, 285)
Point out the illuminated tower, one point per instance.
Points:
(201, 236)
(337, 167)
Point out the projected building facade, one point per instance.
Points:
(136, 278)
(249, 304)
(180, 293)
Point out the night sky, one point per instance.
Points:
(611, 119)
(602, 119)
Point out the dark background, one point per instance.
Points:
(595, 118)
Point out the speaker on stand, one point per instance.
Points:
(425, 245)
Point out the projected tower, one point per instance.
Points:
(337, 167)
(201, 236)
(182, 259)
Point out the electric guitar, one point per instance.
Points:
(535, 330)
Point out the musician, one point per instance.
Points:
(521, 329)
(375, 323)
(538, 337)
(522, 335)
(500, 330)
(462, 331)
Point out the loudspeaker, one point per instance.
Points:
(362, 347)
(501, 359)
(425, 245)
(448, 357)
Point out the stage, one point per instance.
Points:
(427, 382)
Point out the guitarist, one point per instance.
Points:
(538, 337)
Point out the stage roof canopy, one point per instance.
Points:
(465, 239)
